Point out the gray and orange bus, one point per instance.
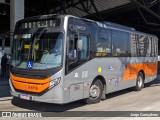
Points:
(61, 58)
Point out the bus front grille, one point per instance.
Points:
(30, 74)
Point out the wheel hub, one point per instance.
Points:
(140, 82)
(94, 91)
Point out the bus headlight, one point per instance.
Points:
(54, 82)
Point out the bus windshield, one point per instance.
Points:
(45, 52)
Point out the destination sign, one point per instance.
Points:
(40, 23)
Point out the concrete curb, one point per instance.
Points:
(6, 98)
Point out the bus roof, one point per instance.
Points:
(108, 24)
(118, 25)
(115, 26)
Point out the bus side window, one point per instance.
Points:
(120, 43)
(146, 46)
(133, 42)
(149, 47)
(156, 46)
(155, 50)
(152, 47)
(103, 46)
(76, 56)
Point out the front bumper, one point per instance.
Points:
(54, 95)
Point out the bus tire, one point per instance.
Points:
(139, 82)
(95, 92)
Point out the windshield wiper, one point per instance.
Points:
(41, 33)
(37, 39)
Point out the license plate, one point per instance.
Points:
(25, 97)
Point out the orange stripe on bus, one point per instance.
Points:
(132, 70)
(30, 85)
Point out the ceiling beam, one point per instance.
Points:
(153, 4)
(72, 3)
(96, 10)
(146, 9)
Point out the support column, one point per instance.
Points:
(16, 13)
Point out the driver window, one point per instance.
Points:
(72, 47)
(73, 53)
(76, 56)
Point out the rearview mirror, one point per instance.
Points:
(79, 45)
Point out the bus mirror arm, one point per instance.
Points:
(38, 38)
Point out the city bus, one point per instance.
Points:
(62, 58)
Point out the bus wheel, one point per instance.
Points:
(95, 92)
(139, 82)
